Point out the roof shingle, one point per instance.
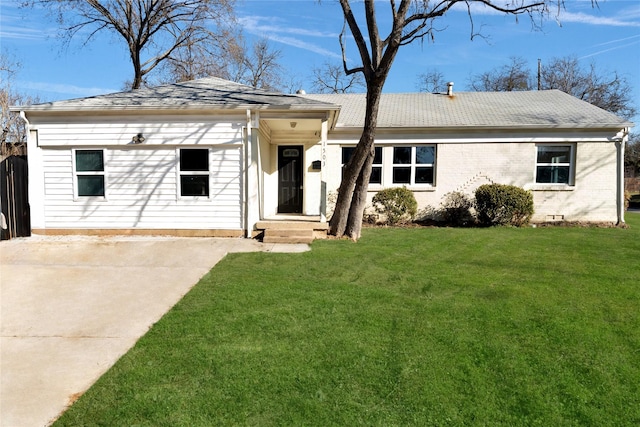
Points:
(549, 108)
(207, 93)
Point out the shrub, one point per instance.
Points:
(457, 209)
(397, 204)
(499, 204)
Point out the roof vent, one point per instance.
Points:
(301, 92)
(450, 88)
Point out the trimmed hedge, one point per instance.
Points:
(397, 204)
(498, 204)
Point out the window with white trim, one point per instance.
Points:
(554, 164)
(89, 173)
(414, 165)
(194, 172)
(376, 169)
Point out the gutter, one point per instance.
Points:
(78, 108)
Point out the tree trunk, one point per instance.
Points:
(359, 199)
(349, 210)
(137, 67)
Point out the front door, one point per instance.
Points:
(290, 178)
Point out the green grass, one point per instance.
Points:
(432, 326)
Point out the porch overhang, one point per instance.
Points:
(295, 127)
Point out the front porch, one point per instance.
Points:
(291, 229)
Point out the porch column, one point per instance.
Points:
(324, 132)
(252, 171)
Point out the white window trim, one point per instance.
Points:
(180, 173)
(572, 168)
(103, 173)
(413, 165)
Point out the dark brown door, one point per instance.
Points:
(290, 179)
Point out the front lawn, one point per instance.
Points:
(425, 326)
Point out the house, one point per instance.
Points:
(214, 158)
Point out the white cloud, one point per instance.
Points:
(20, 26)
(64, 88)
(275, 29)
(20, 33)
(291, 41)
(594, 16)
(584, 18)
(267, 25)
(628, 41)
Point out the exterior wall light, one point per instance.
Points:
(138, 139)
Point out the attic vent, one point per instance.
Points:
(450, 88)
(301, 92)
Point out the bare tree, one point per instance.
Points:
(152, 29)
(261, 67)
(408, 20)
(609, 91)
(331, 78)
(511, 77)
(13, 136)
(432, 82)
(258, 66)
(195, 60)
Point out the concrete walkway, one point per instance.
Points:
(72, 306)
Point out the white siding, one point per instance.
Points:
(159, 131)
(142, 191)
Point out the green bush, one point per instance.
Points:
(498, 204)
(397, 204)
(457, 209)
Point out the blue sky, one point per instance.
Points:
(307, 35)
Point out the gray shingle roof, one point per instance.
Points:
(536, 109)
(540, 109)
(207, 93)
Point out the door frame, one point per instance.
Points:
(298, 209)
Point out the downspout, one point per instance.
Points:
(620, 143)
(31, 183)
(23, 116)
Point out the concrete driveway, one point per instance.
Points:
(72, 306)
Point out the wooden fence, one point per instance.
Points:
(14, 197)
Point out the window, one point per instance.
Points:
(193, 162)
(413, 165)
(89, 173)
(376, 169)
(554, 164)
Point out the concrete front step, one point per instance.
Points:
(292, 225)
(277, 235)
(292, 231)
